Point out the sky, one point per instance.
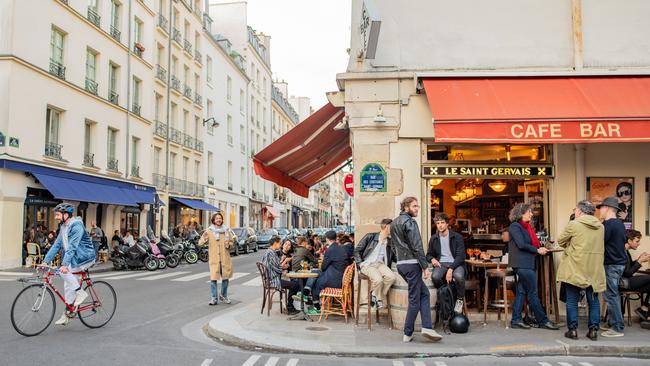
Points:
(309, 42)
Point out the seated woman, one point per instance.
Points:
(286, 253)
(637, 283)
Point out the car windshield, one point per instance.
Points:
(240, 232)
(267, 232)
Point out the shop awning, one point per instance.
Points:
(307, 153)
(196, 204)
(540, 109)
(66, 185)
(272, 212)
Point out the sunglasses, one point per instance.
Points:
(626, 192)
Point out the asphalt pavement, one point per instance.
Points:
(160, 320)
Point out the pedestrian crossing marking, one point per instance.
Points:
(24, 274)
(132, 275)
(544, 364)
(8, 279)
(237, 275)
(564, 364)
(104, 275)
(165, 275)
(207, 362)
(398, 363)
(192, 277)
(440, 363)
(272, 361)
(251, 360)
(292, 362)
(585, 364)
(419, 363)
(257, 281)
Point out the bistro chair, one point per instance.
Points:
(627, 296)
(34, 253)
(268, 290)
(342, 297)
(357, 305)
(501, 275)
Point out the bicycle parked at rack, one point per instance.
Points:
(33, 308)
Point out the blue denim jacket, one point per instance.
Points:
(80, 249)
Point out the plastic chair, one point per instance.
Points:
(342, 297)
(268, 290)
(34, 253)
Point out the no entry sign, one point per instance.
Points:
(348, 184)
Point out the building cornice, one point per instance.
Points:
(208, 35)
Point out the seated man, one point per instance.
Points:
(447, 255)
(373, 256)
(637, 283)
(334, 263)
(272, 263)
(303, 253)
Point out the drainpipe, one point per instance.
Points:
(128, 92)
(169, 77)
(248, 148)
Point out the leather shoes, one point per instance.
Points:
(592, 334)
(549, 325)
(572, 334)
(519, 325)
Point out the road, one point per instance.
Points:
(159, 321)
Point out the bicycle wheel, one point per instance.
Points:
(33, 310)
(99, 306)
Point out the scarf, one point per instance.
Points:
(529, 228)
(217, 230)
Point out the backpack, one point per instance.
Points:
(445, 302)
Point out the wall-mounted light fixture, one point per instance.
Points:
(214, 122)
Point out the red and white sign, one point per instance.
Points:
(348, 184)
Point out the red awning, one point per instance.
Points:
(540, 109)
(272, 212)
(307, 153)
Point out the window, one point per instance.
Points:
(175, 18)
(91, 64)
(257, 78)
(112, 141)
(187, 30)
(174, 116)
(264, 87)
(252, 108)
(186, 162)
(186, 75)
(172, 165)
(174, 69)
(158, 107)
(229, 174)
(156, 159)
(88, 135)
(210, 162)
(115, 15)
(242, 177)
(160, 52)
(197, 83)
(242, 136)
(134, 154)
(52, 120)
(186, 116)
(113, 71)
(229, 88)
(138, 30)
(197, 40)
(197, 171)
(229, 119)
(209, 107)
(208, 69)
(197, 126)
(242, 101)
(56, 43)
(264, 117)
(137, 86)
(257, 113)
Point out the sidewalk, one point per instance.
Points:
(97, 268)
(247, 328)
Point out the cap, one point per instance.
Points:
(610, 202)
(331, 235)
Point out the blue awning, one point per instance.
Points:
(196, 204)
(73, 186)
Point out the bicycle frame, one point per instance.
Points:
(84, 279)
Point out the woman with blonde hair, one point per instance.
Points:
(219, 242)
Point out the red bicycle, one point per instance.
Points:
(33, 309)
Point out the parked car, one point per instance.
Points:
(246, 239)
(285, 234)
(264, 237)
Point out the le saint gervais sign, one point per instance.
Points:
(483, 171)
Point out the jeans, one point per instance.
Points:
(613, 273)
(527, 286)
(572, 299)
(224, 288)
(439, 274)
(418, 297)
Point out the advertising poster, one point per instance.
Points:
(621, 188)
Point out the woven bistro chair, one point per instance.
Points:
(268, 290)
(34, 253)
(338, 301)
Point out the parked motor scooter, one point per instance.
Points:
(135, 257)
(172, 252)
(154, 249)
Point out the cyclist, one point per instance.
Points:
(78, 255)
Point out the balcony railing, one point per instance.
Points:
(254, 194)
(113, 97)
(230, 186)
(53, 150)
(89, 159)
(161, 129)
(187, 46)
(159, 181)
(135, 171)
(243, 190)
(198, 57)
(210, 180)
(57, 69)
(230, 140)
(187, 91)
(115, 33)
(138, 49)
(136, 108)
(91, 86)
(161, 73)
(176, 84)
(188, 141)
(163, 23)
(176, 36)
(199, 146)
(112, 165)
(183, 187)
(92, 16)
(176, 136)
(198, 99)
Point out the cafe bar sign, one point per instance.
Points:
(483, 171)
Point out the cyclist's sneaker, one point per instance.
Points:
(80, 296)
(65, 318)
(224, 299)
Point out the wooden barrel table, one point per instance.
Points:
(399, 300)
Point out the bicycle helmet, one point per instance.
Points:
(64, 208)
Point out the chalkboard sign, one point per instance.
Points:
(373, 178)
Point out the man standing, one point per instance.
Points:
(615, 260)
(272, 263)
(446, 253)
(412, 266)
(335, 261)
(374, 256)
(96, 235)
(581, 267)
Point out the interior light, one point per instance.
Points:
(434, 182)
(498, 186)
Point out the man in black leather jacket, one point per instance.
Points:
(412, 266)
(373, 256)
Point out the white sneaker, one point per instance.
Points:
(65, 318)
(406, 338)
(431, 334)
(79, 298)
(226, 300)
(611, 333)
(458, 309)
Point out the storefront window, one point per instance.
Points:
(489, 153)
(130, 220)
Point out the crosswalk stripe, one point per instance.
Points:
(192, 277)
(24, 274)
(564, 364)
(585, 364)
(157, 277)
(257, 281)
(398, 363)
(544, 364)
(132, 275)
(440, 363)
(7, 279)
(292, 362)
(251, 360)
(272, 361)
(237, 275)
(207, 362)
(104, 275)
(419, 363)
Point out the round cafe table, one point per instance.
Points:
(302, 315)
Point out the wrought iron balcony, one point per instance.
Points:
(187, 46)
(187, 91)
(135, 171)
(89, 159)
(159, 181)
(113, 97)
(163, 23)
(199, 146)
(161, 129)
(161, 73)
(92, 16)
(210, 180)
(53, 150)
(176, 84)
(136, 108)
(188, 141)
(176, 36)
(113, 165)
(138, 49)
(198, 57)
(197, 98)
(243, 190)
(254, 193)
(115, 33)
(91, 86)
(176, 136)
(57, 69)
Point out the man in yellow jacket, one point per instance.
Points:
(582, 267)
